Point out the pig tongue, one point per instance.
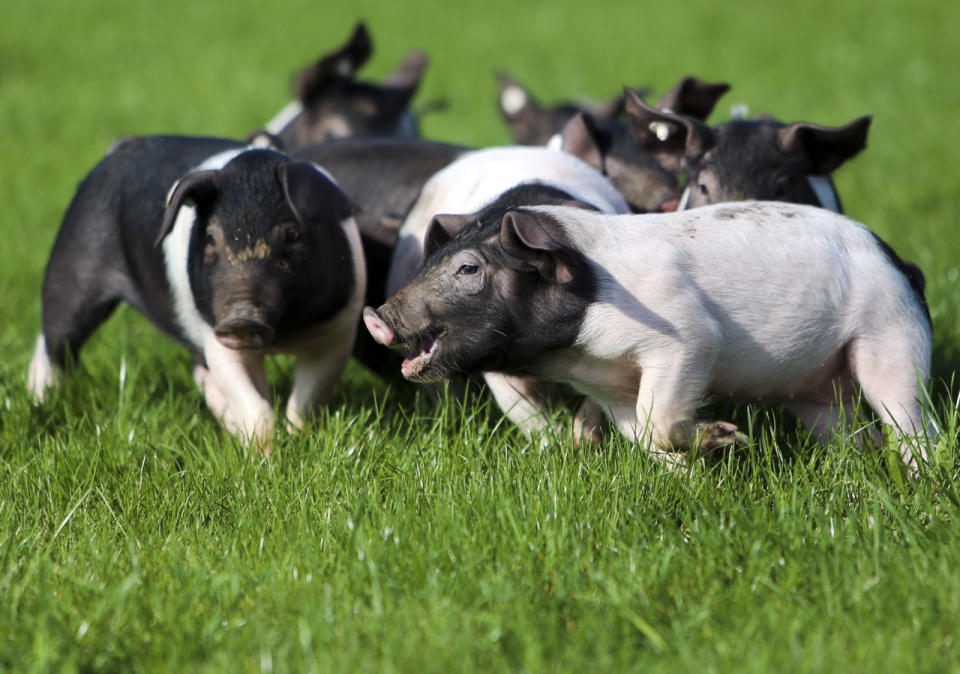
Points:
(414, 363)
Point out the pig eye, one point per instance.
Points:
(292, 236)
(209, 241)
(468, 269)
(703, 189)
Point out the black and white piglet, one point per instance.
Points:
(651, 314)
(234, 251)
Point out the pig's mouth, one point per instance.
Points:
(423, 350)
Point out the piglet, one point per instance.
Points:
(649, 315)
(331, 103)
(233, 251)
(747, 159)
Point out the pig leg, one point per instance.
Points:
(216, 401)
(588, 424)
(240, 390)
(68, 320)
(671, 389)
(314, 377)
(520, 400)
(891, 369)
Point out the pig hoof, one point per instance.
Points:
(718, 436)
(42, 374)
(588, 425)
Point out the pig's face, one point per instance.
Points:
(267, 255)
(645, 185)
(492, 295)
(750, 159)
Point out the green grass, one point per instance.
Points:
(135, 536)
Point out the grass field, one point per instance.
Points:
(134, 535)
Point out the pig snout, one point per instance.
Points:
(244, 328)
(378, 328)
(669, 206)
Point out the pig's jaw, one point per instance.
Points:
(421, 357)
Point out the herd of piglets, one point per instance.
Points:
(626, 253)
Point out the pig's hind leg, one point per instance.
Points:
(892, 370)
(82, 286)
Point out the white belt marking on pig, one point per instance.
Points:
(826, 194)
(283, 118)
(176, 247)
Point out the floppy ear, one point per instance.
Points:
(668, 137)
(313, 197)
(693, 97)
(409, 73)
(442, 229)
(826, 147)
(199, 187)
(338, 66)
(523, 236)
(582, 138)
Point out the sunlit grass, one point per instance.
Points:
(399, 536)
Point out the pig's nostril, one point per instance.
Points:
(244, 333)
(378, 328)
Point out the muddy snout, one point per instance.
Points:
(245, 327)
(378, 328)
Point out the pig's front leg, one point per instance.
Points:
(520, 400)
(315, 374)
(239, 394)
(671, 388)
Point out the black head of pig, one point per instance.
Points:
(532, 124)
(336, 105)
(645, 185)
(745, 159)
(491, 296)
(267, 255)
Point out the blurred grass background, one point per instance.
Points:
(133, 535)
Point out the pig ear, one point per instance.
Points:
(581, 138)
(199, 187)
(825, 147)
(515, 101)
(669, 137)
(409, 73)
(261, 138)
(693, 97)
(340, 65)
(524, 237)
(442, 229)
(609, 110)
(313, 197)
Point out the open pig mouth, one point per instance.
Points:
(422, 353)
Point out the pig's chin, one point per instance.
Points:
(416, 366)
